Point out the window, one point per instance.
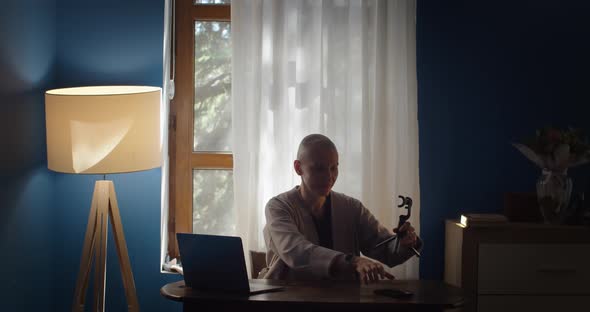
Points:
(201, 160)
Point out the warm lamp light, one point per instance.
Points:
(100, 130)
(103, 130)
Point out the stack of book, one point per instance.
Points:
(475, 219)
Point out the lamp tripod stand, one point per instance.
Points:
(104, 206)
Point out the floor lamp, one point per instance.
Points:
(103, 130)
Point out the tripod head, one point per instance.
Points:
(407, 204)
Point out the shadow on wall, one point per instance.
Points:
(27, 61)
(22, 132)
(9, 200)
(26, 224)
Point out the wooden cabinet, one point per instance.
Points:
(519, 266)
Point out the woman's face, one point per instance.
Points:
(318, 170)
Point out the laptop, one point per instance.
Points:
(216, 263)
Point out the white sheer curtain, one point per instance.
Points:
(167, 92)
(342, 68)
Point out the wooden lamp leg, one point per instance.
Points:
(87, 254)
(126, 274)
(104, 205)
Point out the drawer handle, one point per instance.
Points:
(556, 271)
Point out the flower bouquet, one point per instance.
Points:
(555, 151)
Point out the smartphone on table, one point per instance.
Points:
(394, 293)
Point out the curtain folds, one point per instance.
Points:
(167, 89)
(343, 68)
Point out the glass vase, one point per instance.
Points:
(554, 189)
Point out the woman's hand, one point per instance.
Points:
(407, 234)
(369, 271)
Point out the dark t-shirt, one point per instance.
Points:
(324, 226)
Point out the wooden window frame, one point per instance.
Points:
(183, 160)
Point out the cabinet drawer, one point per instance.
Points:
(533, 303)
(534, 269)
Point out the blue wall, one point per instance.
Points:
(27, 57)
(98, 43)
(490, 73)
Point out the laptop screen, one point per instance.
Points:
(212, 262)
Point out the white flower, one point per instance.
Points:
(560, 160)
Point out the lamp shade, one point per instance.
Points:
(106, 129)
